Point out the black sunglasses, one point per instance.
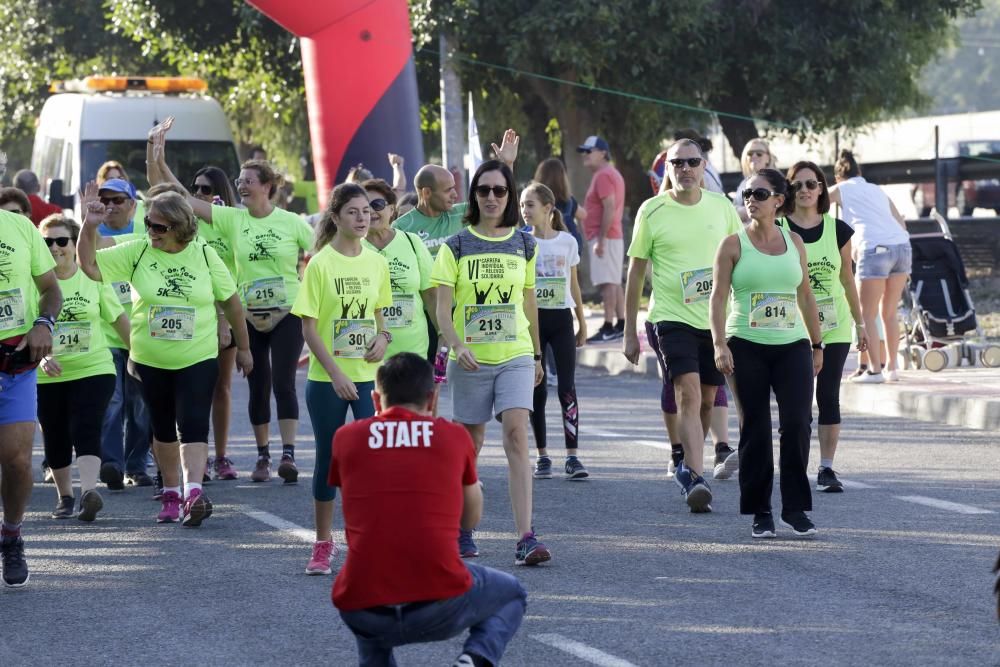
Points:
(155, 226)
(679, 162)
(810, 184)
(760, 194)
(117, 201)
(206, 190)
(499, 191)
(62, 241)
(17, 211)
(378, 204)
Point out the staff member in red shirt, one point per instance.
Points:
(408, 481)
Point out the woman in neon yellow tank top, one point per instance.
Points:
(764, 346)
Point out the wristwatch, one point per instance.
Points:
(388, 336)
(538, 357)
(819, 346)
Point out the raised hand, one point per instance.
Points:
(395, 160)
(506, 152)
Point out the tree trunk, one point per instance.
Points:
(453, 128)
(735, 100)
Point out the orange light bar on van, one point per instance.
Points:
(156, 84)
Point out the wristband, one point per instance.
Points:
(538, 357)
(388, 336)
(47, 321)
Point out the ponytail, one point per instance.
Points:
(544, 195)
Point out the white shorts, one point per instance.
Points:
(607, 269)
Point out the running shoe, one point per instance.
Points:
(138, 479)
(698, 495)
(206, 476)
(869, 378)
(605, 334)
(727, 462)
(64, 508)
(763, 526)
(287, 470)
(530, 551)
(574, 469)
(112, 476)
(158, 486)
(90, 504)
(464, 660)
(224, 468)
(892, 376)
(827, 481)
(322, 553)
(262, 470)
(671, 468)
(197, 508)
(47, 477)
(466, 546)
(799, 523)
(171, 509)
(543, 468)
(15, 567)
(858, 371)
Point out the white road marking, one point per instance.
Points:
(580, 650)
(945, 505)
(274, 521)
(850, 484)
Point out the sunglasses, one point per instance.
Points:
(242, 181)
(809, 184)
(499, 191)
(155, 226)
(206, 190)
(585, 152)
(679, 162)
(378, 204)
(757, 153)
(117, 201)
(15, 210)
(760, 194)
(61, 241)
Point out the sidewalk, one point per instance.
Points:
(968, 397)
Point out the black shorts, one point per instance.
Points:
(688, 350)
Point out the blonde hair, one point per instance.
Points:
(543, 194)
(175, 209)
(102, 171)
(745, 156)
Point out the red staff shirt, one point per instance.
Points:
(401, 477)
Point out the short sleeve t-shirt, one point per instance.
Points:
(23, 257)
(174, 323)
(122, 290)
(222, 244)
(681, 241)
(342, 293)
(607, 181)
(401, 477)
(489, 276)
(266, 252)
(432, 231)
(78, 341)
(554, 271)
(409, 274)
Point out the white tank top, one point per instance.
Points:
(866, 209)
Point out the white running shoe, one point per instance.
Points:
(870, 378)
(892, 376)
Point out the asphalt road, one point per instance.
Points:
(893, 578)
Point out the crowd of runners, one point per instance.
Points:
(121, 332)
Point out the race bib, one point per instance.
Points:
(265, 292)
(551, 291)
(123, 291)
(11, 309)
(696, 285)
(71, 338)
(171, 322)
(350, 338)
(400, 314)
(491, 323)
(772, 310)
(827, 314)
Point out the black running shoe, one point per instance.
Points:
(138, 479)
(574, 469)
(543, 468)
(727, 462)
(15, 567)
(827, 481)
(799, 523)
(64, 508)
(112, 476)
(763, 526)
(698, 495)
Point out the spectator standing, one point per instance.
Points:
(27, 182)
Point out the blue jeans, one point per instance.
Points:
(126, 433)
(328, 412)
(491, 610)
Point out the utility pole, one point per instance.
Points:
(452, 125)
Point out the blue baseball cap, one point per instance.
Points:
(593, 143)
(118, 185)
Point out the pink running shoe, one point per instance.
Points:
(197, 508)
(224, 468)
(171, 507)
(321, 555)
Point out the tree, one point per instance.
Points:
(961, 80)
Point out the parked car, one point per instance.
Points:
(968, 195)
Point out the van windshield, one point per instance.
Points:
(183, 157)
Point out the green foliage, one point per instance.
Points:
(963, 79)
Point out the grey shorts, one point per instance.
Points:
(882, 261)
(478, 396)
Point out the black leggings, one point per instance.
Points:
(71, 414)
(787, 369)
(179, 400)
(828, 382)
(278, 349)
(555, 328)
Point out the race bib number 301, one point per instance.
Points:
(400, 314)
(772, 310)
(550, 291)
(11, 309)
(265, 292)
(696, 285)
(491, 323)
(71, 338)
(827, 314)
(350, 338)
(171, 322)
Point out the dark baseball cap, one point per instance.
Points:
(593, 143)
(118, 185)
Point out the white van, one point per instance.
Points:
(108, 118)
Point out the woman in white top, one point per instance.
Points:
(756, 155)
(883, 256)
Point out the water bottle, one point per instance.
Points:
(441, 366)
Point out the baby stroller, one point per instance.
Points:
(940, 325)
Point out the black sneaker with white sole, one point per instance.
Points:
(763, 526)
(574, 469)
(799, 523)
(727, 463)
(543, 468)
(605, 334)
(827, 481)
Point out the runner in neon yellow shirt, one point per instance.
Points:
(345, 290)
(177, 280)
